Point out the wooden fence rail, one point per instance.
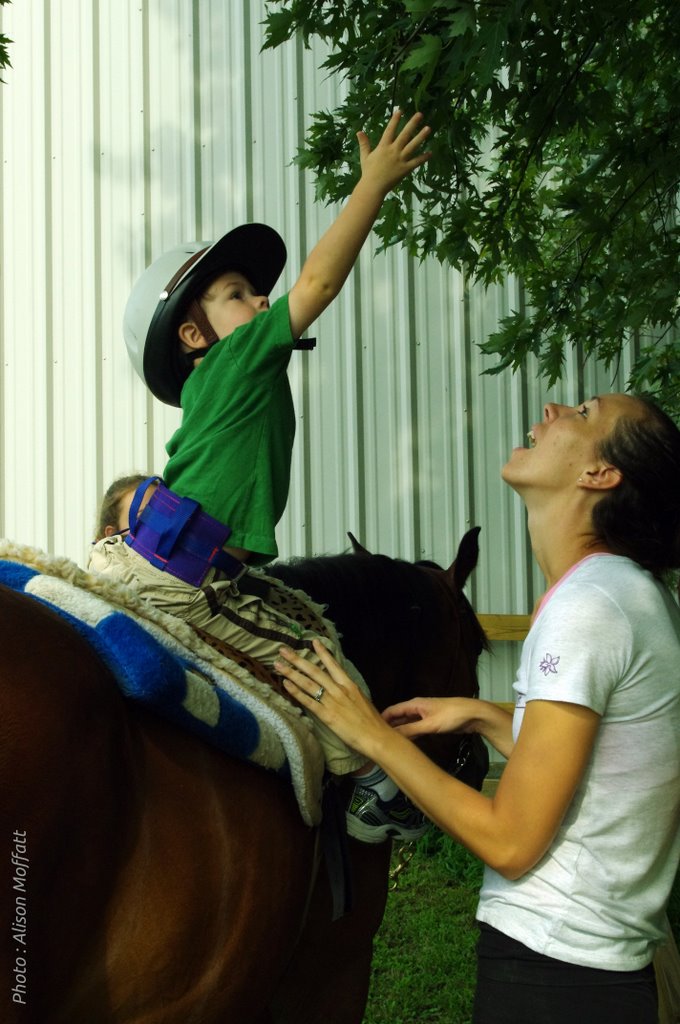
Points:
(505, 627)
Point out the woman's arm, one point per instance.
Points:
(510, 831)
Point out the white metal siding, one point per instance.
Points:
(127, 129)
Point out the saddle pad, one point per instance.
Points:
(159, 661)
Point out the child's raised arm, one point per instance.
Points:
(334, 255)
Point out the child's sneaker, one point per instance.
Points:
(373, 820)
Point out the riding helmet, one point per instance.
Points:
(159, 300)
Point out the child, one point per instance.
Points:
(212, 344)
(114, 511)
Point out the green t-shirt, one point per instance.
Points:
(233, 448)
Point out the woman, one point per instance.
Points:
(582, 838)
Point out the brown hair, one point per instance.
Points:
(641, 517)
(109, 510)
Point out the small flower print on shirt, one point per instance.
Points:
(549, 665)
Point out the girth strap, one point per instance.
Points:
(334, 847)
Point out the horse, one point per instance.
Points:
(150, 878)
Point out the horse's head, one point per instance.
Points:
(421, 624)
(408, 628)
(458, 674)
(468, 639)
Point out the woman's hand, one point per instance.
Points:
(330, 695)
(422, 715)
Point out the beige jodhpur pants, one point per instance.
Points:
(253, 625)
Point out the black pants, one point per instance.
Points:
(517, 986)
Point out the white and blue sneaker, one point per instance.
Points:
(374, 820)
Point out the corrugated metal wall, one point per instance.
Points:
(128, 128)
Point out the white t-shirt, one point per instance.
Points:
(607, 637)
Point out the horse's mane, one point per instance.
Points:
(351, 581)
(366, 595)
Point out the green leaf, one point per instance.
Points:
(555, 154)
(426, 54)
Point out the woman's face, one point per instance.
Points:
(563, 446)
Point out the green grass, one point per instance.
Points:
(424, 960)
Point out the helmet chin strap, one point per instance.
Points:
(196, 313)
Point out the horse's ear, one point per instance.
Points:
(357, 548)
(466, 559)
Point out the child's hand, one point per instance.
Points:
(396, 155)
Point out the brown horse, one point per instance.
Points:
(151, 879)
